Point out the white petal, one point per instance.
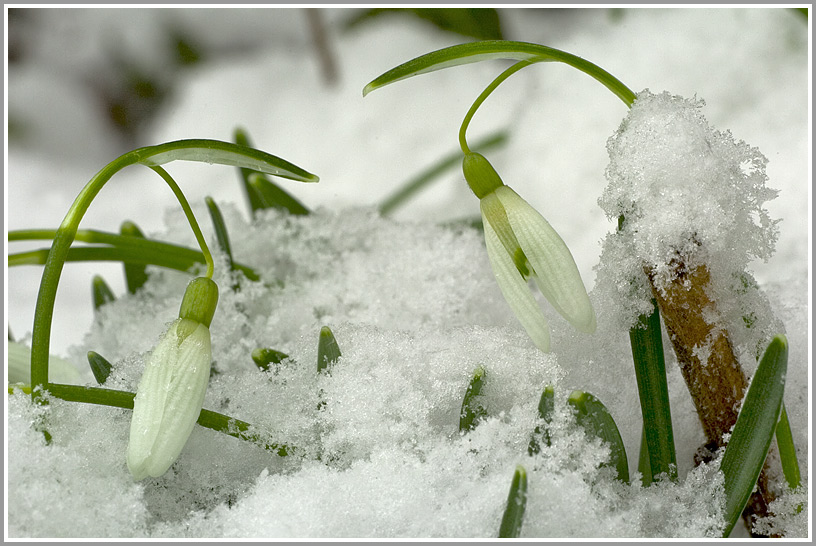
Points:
(515, 290)
(168, 400)
(556, 274)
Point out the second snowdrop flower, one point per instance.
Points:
(521, 244)
(171, 391)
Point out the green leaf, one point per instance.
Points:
(222, 153)
(546, 407)
(423, 179)
(472, 410)
(752, 434)
(787, 451)
(207, 419)
(650, 370)
(123, 248)
(270, 195)
(264, 357)
(593, 416)
(101, 292)
(328, 352)
(498, 49)
(220, 229)
(254, 199)
(100, 367)
(644, 462)
(516, 503)
(135, 273)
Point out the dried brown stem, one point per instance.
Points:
(714, 377)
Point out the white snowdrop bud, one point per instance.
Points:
(171, 392)
(522, 244)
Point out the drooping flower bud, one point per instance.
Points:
(522, 244)
(171, 391)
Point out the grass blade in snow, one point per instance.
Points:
(100, 367)
(787, 451)
(220, 229)
(264, 357)
(650, 370)
(516, 503)
(207, 419)
(752, 434)
(101, 292)
(472, 410)
(497, 49)
(593, 416)
(242, 139)
(546, 407)
(271, 196)
(135, 273)
(123, 248)
(262, 193)
(327, 350)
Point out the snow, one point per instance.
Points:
(411, 300)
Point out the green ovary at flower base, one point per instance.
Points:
(522, 244)
(171, 392)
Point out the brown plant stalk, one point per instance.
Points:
(712, 372)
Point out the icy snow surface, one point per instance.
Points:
(411, 299)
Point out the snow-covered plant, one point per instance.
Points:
(521, 246)
(715, 379)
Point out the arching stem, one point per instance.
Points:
(481, 98)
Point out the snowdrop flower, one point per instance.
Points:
(171, 392)
(521, 244)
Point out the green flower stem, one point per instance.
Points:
(650, 371)
(481, 98)
(208, 151)
(188, 212)
(129, 249)
(208, 419)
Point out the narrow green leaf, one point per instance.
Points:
(270, 195)
(426, 177)
(126, 249)
(546, 407)
(135, 273)
(254, 199)
(650, 370)
(222, 153)
(100, 367)
(787, 450)
(498, 49)
(516, 503)
(207, 419)
(328, 352)
(593, 416)
(752, 434)
(101, 292)
(644, 463)
(472, 410)
(220, 229)
(264, 357)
